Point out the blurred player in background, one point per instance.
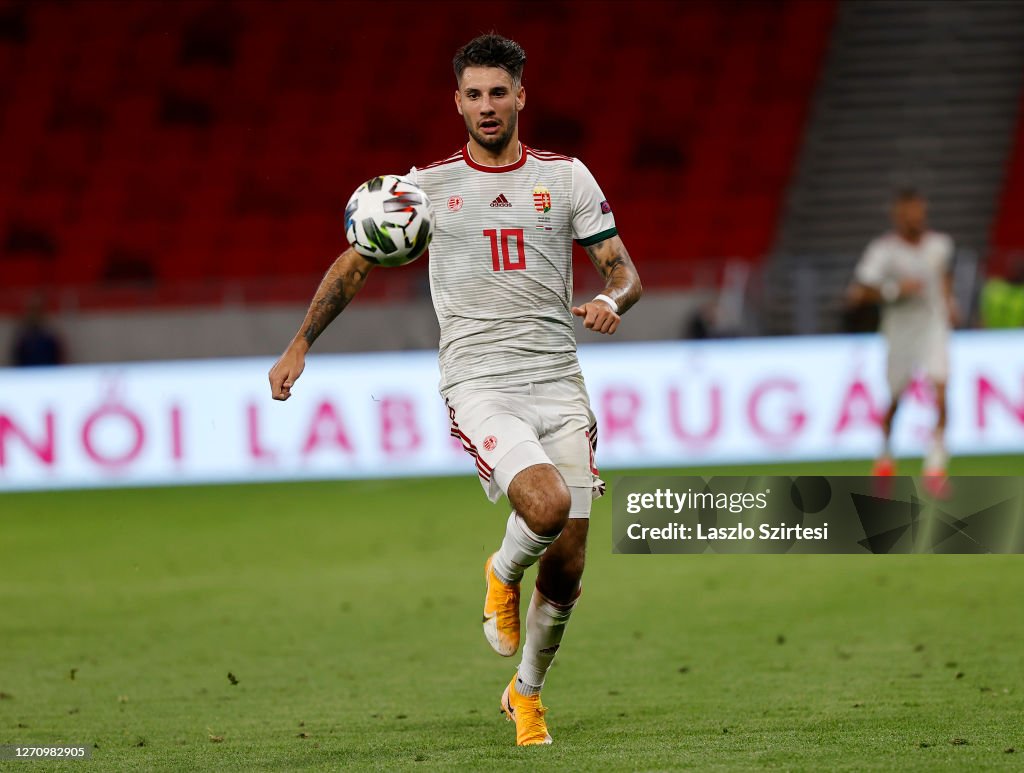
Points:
(909, 272)
(501, 282)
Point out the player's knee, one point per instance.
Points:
(561, 501)
(554, 511)
(540, 496)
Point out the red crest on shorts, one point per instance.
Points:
(490, 442)
(455, 203)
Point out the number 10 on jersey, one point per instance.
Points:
(506, 262)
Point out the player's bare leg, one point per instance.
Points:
(885, 465)
(561, 567)
(542, 501)
(937, 458)
(541, 498)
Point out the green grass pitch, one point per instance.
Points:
(348, 614)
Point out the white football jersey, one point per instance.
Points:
(890, 258)
(916, 328)
(501, 263)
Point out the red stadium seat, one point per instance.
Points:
(234, 161)
(1007, 256)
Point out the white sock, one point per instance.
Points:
(937, 457)
(545, 624)
(519, 550)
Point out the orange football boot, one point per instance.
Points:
(501, 613)
(528, 714)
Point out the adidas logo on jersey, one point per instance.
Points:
(501, 201)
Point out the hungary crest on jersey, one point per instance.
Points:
(542, 199)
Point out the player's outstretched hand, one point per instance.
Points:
(286, 372)
(598, 316)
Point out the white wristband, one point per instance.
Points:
(609, 301)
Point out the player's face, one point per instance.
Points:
(489, 102)
(910, 216)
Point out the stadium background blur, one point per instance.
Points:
(173, 178)
(184, 165)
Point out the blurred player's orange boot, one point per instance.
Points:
(501, 613)
(528, 714)
(936, 484)
(885, 467)
(935, 461)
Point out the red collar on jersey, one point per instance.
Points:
(507, 168)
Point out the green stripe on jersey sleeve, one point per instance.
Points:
(598, 237)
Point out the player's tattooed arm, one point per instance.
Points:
(338, 287)
(622, 283)
(622, 287)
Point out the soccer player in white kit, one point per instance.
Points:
(501, 282)
(908, 271)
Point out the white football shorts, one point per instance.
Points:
(511, 428)
(907, 357)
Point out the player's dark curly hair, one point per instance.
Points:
(491, 50)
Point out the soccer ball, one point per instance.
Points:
(389, 220)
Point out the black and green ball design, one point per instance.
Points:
(389, 220)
